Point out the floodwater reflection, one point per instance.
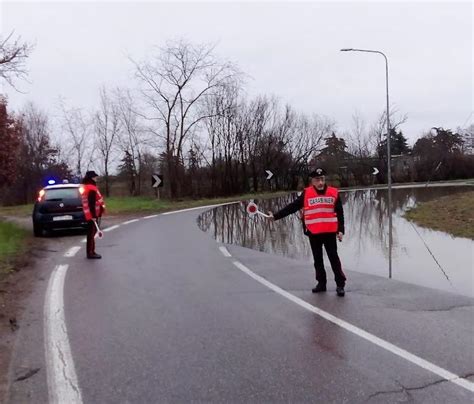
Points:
(365, 247)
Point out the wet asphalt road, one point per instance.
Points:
(165, 317)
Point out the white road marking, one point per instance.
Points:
(199, 207)
(72, 251)
(150, 216)
(61, 375)
(112, 228)
(445, 374)
(130, 221)
(225, 251)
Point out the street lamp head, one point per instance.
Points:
(346, 49)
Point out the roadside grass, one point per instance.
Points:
(17, 210)
(453, 215)
(12, 243)
(143, 204)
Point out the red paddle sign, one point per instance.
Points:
(99, 233)
(252, 210)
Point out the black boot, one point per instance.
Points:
(320, 287)
(340, 291)
(94, 256)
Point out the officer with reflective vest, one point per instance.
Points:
(323, 222)
(93, 206)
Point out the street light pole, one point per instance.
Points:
(389, 164)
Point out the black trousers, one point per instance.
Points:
(330, 244)
(91, 231)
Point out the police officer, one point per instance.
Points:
(93, 206)
(323, 222)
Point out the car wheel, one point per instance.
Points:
(37, 230)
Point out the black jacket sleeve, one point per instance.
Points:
(91, 199)
(293, 207)
(340, 215)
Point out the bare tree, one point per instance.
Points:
(132, 137)
(38, 156)
(379, 128)
(13, 55)
(76, 126)
(107, 126)
(358, 138)
(175, 82)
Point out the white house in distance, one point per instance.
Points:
(468, 137)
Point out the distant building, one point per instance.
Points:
(468, 137)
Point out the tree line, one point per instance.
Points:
(189, 118)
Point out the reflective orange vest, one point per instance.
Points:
(319, 214)
(99, 201)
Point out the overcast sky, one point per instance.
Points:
(290, 50)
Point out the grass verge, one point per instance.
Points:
(143, 204)
(12, 243)
(451, 214)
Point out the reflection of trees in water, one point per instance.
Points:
(366, 214)
(231, 224)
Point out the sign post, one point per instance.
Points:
(156, 183)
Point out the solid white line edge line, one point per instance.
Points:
(131, 221)
(116, 226)
(62, 383)
(225, 251)
(445, 374)
(200, 207)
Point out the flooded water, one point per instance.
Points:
(416, 251)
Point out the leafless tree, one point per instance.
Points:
(379, 128)
(38, 155)
(76, 125)
(358, 139)
(107, 125)
(13, 56)
(176, 81)
(133, 136)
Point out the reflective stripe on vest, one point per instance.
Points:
(322, 220)
(319, 211)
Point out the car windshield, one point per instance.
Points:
(61, 193)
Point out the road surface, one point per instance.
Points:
(170, 315)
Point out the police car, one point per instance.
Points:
(58, 207)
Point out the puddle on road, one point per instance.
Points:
(365, 247)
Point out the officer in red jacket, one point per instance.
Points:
(323, 222)
(93, 206)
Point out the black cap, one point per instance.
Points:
(91, 174)
(318, 172)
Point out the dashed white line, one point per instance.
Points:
(150, 216)
(111, 228)
(72, 251)
(130, 221)
(445, 374)
(225, 252)
(61, 374)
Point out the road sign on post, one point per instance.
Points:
(156, 183)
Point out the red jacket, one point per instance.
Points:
(98, 208)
